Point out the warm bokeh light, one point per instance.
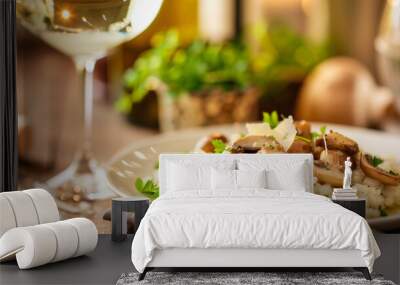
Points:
(65, 14)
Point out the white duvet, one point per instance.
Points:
(250, 219)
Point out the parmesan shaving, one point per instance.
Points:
(284, 133)
(262, 129)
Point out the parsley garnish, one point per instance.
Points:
(375, 161)
(271, 119)
(315, 135)
(219, 146)
(149, 188)
(320, 134)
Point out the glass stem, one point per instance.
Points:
(87, 81)
(85, 162)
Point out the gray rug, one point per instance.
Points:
(236, 278)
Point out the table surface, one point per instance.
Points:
(102, 266)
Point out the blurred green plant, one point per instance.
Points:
(282, 56)
(196, 67)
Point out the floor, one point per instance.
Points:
(110, 259)
(103, 266)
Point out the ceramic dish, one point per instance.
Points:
(140, 158)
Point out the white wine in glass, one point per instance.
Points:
(86, 30)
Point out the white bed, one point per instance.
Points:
(248, 227)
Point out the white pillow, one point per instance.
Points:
(193, 174)
(295, 180)
(251, 178)
(236, 179)
(181, 178)
(223, 179)
(281, 174)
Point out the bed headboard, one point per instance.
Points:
(215, 158)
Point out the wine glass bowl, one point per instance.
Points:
(85, 30)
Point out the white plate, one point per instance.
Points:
(140, 158)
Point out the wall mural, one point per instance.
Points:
(102, 92)
(254, 117)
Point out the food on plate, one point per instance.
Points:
(371, 167)
(300, 145)
(303, 129)
(326, 174)
(208, 145)
(334, 158)
(340, 142)
(375, 178)
(256, 143)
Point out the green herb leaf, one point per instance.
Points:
(219, 146)
(323, 130)
(274, 119)
(315, 135)
(149, 188)
(267, 118)
(271, 119)
(139, 184)
(320, 134)
(376, 161)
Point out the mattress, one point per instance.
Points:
(250, 219)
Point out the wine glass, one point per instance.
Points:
(387, 44)
(85, 30)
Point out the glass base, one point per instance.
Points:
(80, 183)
